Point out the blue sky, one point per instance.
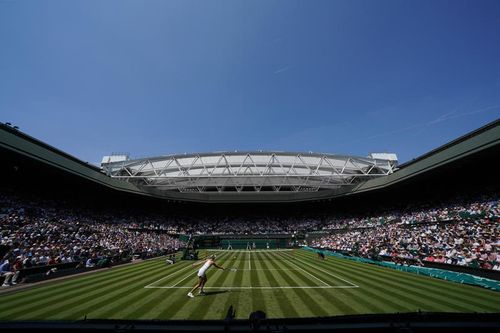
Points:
(161, 77)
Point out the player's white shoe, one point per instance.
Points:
(190, 295)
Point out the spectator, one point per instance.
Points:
(6, 272)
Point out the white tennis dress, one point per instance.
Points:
(204, 268)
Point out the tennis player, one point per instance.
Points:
(202, 274)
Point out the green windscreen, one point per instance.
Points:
(260, 243)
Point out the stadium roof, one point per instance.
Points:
(254, 171)
(321, 171)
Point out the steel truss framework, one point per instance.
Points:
(249, 171)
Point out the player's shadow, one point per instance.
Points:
(209, 293)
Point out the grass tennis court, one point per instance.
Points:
(282, 283)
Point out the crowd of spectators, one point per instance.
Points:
(39, 233)
(43, 232)
(225, 225)
(458, 233)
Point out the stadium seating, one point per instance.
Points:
(45, 232)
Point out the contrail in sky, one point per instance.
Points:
(281, 70)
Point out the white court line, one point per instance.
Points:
(163, 278)
(189, 275)
(326, 286)
(319, 269)
(303, 270)
(283, 287)
(149, 286)
(249, 261)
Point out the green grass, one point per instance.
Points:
(280, 283)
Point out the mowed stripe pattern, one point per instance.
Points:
(120, 293)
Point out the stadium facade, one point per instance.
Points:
(249, 177)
